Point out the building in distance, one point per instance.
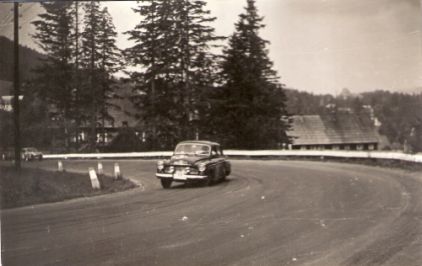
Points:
(334, 131)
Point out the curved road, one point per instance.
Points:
(267, 213)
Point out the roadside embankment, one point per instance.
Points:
(34, 186)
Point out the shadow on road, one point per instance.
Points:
(191, 185)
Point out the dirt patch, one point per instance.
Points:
(33, 186)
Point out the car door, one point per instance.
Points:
(218, 162)
(225, 164)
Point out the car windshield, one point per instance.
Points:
(192, 149)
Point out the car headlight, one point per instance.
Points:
(201, 167)
(170, 169)
(160, 165)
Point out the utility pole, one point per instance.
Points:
(77, 96)
(16, 84)
(93, 91)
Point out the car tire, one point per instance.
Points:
(209, 180)
(166, 183)
(224, 177)
(228, 171)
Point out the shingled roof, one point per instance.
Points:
(339, 128)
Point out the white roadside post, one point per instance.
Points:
(94, 179)
(100, 170)
(60, 166)
(117, 173)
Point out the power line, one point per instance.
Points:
(8, 20)
(27, 20)
(6, 24)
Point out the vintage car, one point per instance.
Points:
(200, 161)
(30, 153)
(27, 154)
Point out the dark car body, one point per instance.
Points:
(201, 161)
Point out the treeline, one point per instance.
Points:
(183, 88)
(399, 114)
(29, 59)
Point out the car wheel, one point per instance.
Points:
(224, 176)
(166, 183)
(207, 181)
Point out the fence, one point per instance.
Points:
(417, 158)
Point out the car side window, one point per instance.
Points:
(214, 151)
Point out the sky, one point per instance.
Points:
(319, 46)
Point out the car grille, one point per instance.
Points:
(186, 169)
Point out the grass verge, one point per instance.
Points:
(33, 186)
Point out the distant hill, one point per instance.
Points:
(28, 58)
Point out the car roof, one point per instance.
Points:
(206, 142)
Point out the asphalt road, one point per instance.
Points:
(267, 213)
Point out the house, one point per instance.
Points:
(121, 115)
(334, 131)
(5, 95)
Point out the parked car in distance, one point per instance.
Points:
(30, 153)
(200, 161)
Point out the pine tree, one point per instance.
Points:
(249, 110)
(54, 37)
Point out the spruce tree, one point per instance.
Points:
(110, 63)
(153, 52)
(54, 36)
(249, 110)
(77, 83)
(196, 66)
(90, 61)
(173, 41)
(101, 59)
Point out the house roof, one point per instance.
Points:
(339, 128)
(123, 110)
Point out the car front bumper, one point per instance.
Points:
(180, 177)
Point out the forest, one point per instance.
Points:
(181, 88)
